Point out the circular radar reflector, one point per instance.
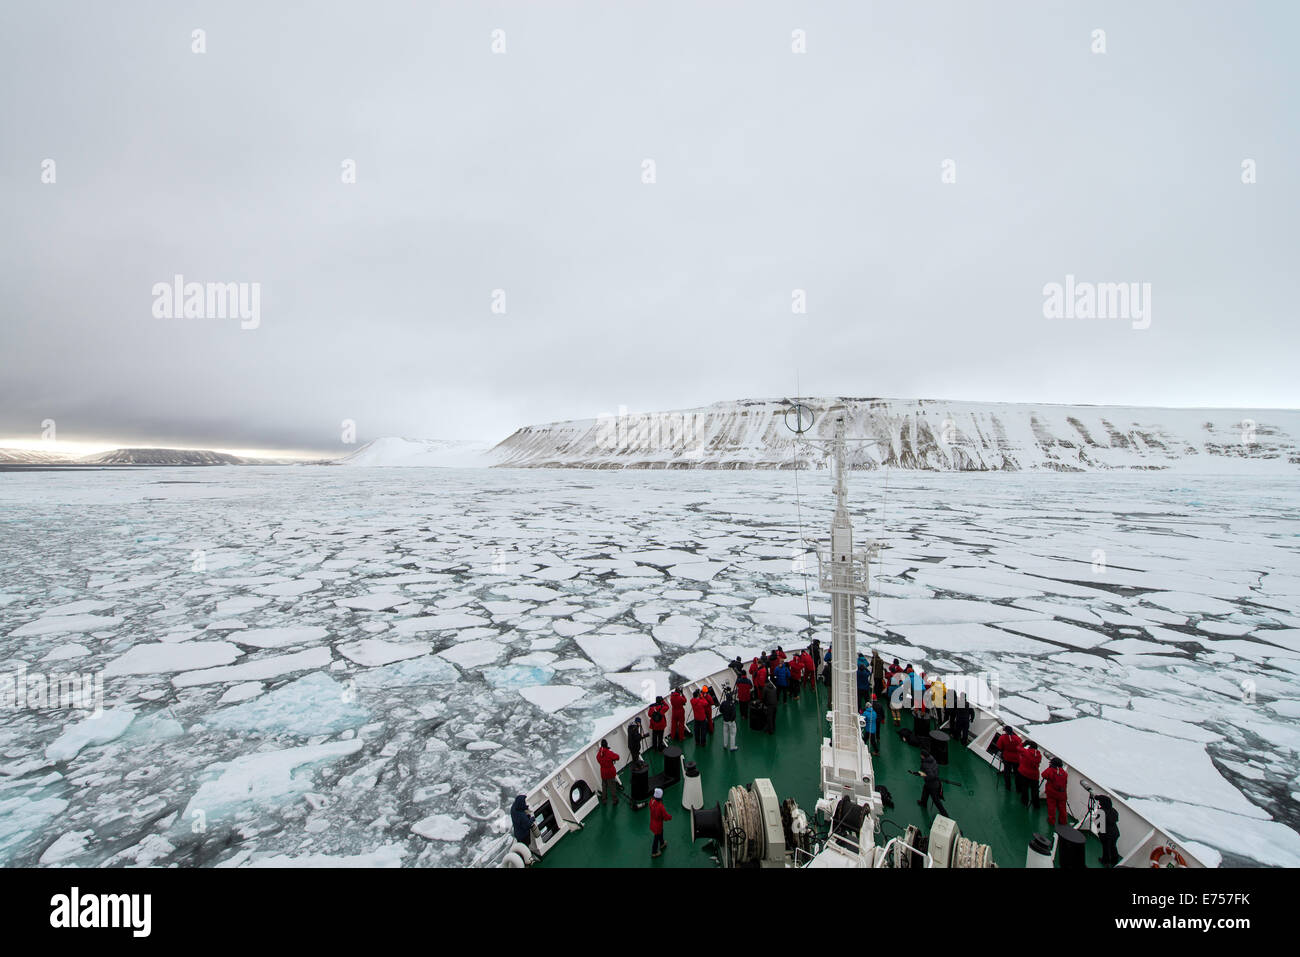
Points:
(798, 418)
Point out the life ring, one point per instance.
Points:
(1160, 856)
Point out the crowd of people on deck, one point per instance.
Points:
(776, 677)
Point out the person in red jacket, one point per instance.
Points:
(760, 677)
(608, 776)
(678, 702)
(1008, 744)
(1056, 779)
(658, 814)
(796, 675)
(658, 721)
(809, 668)
(743, 688)
(1030, 760)
(711, 700)
(699, 712)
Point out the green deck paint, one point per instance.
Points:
(617, 836)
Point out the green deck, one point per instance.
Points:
(617, 836)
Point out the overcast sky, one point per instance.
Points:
(522, 171)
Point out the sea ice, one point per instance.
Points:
(448, 622)
(441, 827)
(63, 624)
(94, 730)
(253, 781)
(67, 845)
(314, 704)
(909, 611)
(371, 651)
(551, 698)
(249, 689)
(643, 684)
(968, 638)
(1143, 764)
(698, 664)
(257, 670)
(149, 659)
(372, 602)
(677, 630)
(472, 654)
(281, 637)
(617, 652)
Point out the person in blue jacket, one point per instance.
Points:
(871, 726)
(782, 678)
(918, 692)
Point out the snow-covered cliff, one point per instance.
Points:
(919, 434)
(393, 451)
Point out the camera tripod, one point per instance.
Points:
(1085, 822)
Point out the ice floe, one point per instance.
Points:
(257, 670)
(313, 704)
(150, 659)
(552, 698)
(371, 651)
(89, 732)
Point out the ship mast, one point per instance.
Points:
(843, 574)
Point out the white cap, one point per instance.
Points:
(659, 792)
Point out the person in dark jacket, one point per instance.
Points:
(658, 814)
(932, 787)
(658, 722)
(864, 682)
(770, 696)
(816, 649)
(521, 822)
(1110, 832)
(878, 705)
(737, 666)
(608, 775)
(728, 710)
(961, 720)
(634, 736)
(744, 688)
(847, 816)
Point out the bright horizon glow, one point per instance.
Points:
(77, 449)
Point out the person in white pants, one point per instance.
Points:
(728, 708)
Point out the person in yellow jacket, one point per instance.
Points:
(938, 699)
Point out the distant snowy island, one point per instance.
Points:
(922, 434)
(913, 434)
